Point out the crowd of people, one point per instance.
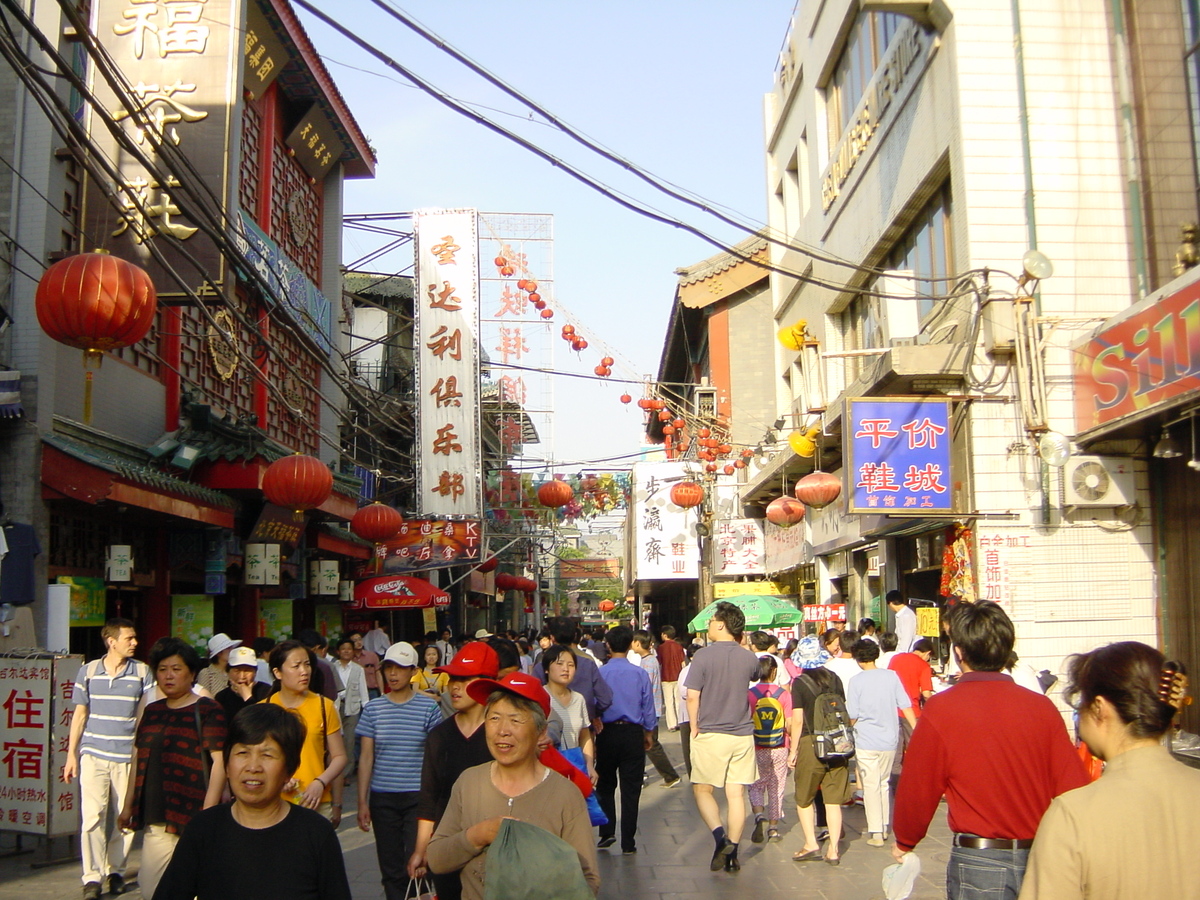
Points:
(235, 769)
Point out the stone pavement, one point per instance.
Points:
(671, 863)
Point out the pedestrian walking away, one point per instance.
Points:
(722, 732)
(671, 659)
(644, 651)
(771, 713)
(106, 697)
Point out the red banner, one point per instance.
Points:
(398, 592)
(835, 612)
(432, 544)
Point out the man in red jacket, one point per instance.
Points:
(998, 752)
(670, 661)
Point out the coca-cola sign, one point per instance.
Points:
(398, 592)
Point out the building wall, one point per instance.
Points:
(956, 116)
(752, 358)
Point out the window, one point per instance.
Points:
(865, 48)
(925, 250)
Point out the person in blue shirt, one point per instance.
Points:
(393, 729)
(621, 745)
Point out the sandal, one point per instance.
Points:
(810, 856)
(774, 835)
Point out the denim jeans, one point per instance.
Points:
(985, 874)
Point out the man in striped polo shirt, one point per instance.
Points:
(100, 751)
(393, 729)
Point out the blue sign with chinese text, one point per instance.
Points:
(899, 456)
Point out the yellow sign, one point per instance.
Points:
(928, 621)
(742, 588)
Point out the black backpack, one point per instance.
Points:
(833, 736)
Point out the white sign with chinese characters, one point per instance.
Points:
(35, 722)
(739, 547)
(997, 551)
(664, 534)
(785, 548)
(446, 306)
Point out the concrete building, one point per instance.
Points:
(916, 151)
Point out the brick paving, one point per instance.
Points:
(671, 863)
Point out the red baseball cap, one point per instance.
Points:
(473, 660)
(518, 682)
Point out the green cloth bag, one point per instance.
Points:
(529, 863)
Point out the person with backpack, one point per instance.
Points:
(872, 701)
(822, 746)
(770, 711)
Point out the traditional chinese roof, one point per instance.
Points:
(378, 286)
(310, 79)
(127, 460)
(720, 276)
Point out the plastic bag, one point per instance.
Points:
(575, 757)
(420, 889)
(525, 862)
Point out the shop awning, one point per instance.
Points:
(398, 592)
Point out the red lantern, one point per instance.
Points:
(531, 285)
(581, 344)
(376, 523)
(668, 429)
(643, 403)
(521, 284)
(606, 361)
(705, 432)
(664, 416)
(535, 297)
(687, 494)
(297, 482)
(506, 581)
(625, 398)
(555, 493)
(488, 565)
(658, 404)
(818, 489)
(568, 329)
(600, 370)
(724, 449)
(547, 314)
(539, 304)
(506, 271)
(785, 512)
(739, 464)
(679, 423)
(747, 453)
(710, 468)
(528, 585)
(728, 470)
(606, 606)
(96, 302)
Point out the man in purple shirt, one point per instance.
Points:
(621, 745)
(587, 680)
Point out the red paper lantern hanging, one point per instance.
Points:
(668, 429)
(679, 423)
(600, 370)
(568, 329)
(728, 470)
(96, 302)
(725, 449)
(687, 494)
(555, 493)
(581, 344)
(505, 581)
(507, 271)
(705, 432)
(710, 468)
(785, 512)
(664, 416)
(818, 489)
(643, 403)
(547, 314)
(488, 565)
(500, 262)
(606, 606)
(531, 285)
(376, 523)
(297, 482)
(625, 398)
(606, 361)
(521, 284)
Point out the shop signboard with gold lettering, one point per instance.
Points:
(179, 58)
(446, 325)
(263, 53)
(315, 143)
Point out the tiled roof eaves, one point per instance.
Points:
(721, 262)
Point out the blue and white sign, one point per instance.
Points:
(899, 456)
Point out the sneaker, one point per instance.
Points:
(759, 826)
(91, 891)
(607, 841)
(673, 783)
(629, 851)
(876, 840)
(116, 884)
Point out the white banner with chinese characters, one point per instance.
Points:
(446, 305)
(998, 551)
(739, 547)
(664, 534)
(35, 721)
(785, 548)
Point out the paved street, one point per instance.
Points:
(671, 863)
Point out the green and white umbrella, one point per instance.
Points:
(761, 612)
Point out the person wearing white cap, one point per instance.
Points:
(392, 729)
(243, 689)
(215, 678)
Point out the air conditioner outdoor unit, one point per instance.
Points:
(1094, 481)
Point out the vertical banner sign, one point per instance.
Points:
(182, 59)
(664, 534)
(899, 460)
(446, 309)
(739, 547)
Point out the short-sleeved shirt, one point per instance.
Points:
(398, 730)
(915, 675)
(312, 756)
(872, 699)
(804, 697)
(112, 703)
(573, 716)
(720, 672)
(174, 755)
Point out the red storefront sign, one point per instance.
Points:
(828, 612)
(1146, 359)
(432, 544)
(398, 592)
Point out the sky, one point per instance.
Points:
(675, 86)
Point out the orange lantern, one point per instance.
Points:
(555, 493)
(96, 302)
(488, 565)
(687, 494)
(625, 398)
(818, 489)
(298, 482)
(606, 606)
(785, 512)
(376, 523)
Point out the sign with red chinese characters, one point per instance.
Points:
(35, 722)
(446, 339)
(398, 592)
(899, 456)
(739, 547)
(829, 612)
(432, 544)
(664, 534)
(998, 550)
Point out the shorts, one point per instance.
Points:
(813, 775)
(718, 758)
